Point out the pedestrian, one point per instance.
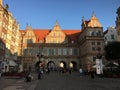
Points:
(80, 71)
(0, 74)
(39, 74)
(70, 71)
(28, 77)
(92, 74)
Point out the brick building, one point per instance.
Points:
(76, 48)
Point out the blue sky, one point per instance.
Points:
(42, 14)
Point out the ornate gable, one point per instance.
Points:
(56, 35)
(29, 35)
(93, 22)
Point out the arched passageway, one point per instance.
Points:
(51, 65)
(63, 64)
(73, 65)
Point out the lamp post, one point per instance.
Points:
(21, 59)
(39, 63)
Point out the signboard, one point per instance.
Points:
(99, 66)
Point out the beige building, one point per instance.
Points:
(9, 33)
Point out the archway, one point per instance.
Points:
(73, 65)
(62, 64)
(51, 65)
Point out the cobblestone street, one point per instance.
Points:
(57, 81)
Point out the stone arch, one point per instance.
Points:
(74, 65)
(63, 63)
(51, 65)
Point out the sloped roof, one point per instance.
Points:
(105, 31)
(41, 33)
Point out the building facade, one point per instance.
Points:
(2, 54)
(110, 35)
(56, 46)
(91, 42)
(9, 33)
(118, 24)
(76, 48)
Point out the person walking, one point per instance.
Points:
(80, 71)
(92, 74)
(39, 74)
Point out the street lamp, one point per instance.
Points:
(21, 61)
(39, 63)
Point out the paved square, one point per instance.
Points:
(59, 81)
(56, 81)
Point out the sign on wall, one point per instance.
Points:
(99, 66)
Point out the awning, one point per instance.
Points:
(112, 65)
(12, 63)
(94, 66)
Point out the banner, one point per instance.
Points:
(99, 66)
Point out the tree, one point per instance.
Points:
(112, 51)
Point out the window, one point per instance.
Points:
(105, 38)
(54, 51)
(59, 51)
(94, 58)
(98, 43)
(93, 48)
(99, 48)
(48, 53)
(29, 41)
(70, 51)
(93, 43)
(112, 37)
(91, 33)
(98, 33)
(64, 51)
(76, 51)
